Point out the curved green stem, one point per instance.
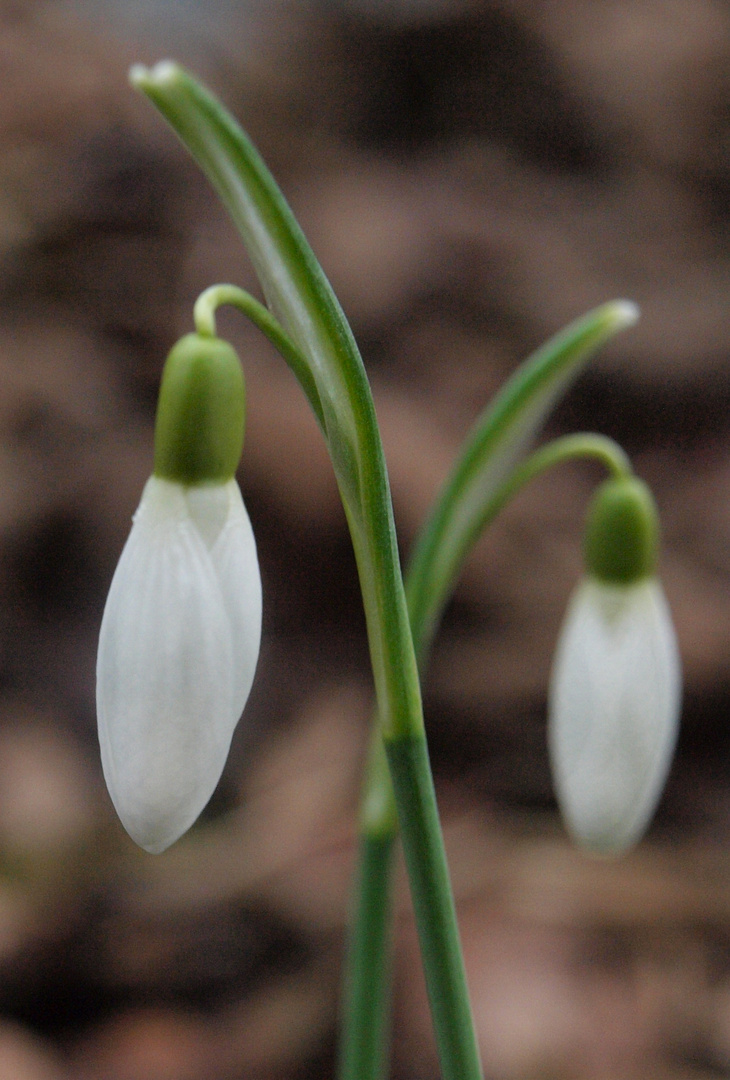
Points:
(499, 439)
(364, 1040)
(561, 450)
(218, 295)
(480, 482)
(298, 292)
(376, 814)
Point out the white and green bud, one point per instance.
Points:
(180, 636)
(615, 689)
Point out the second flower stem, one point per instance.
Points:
(365, 1028)
(365, 1021)
(433, 905)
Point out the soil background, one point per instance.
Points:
(472, 176)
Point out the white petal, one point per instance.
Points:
(224, 523)
(165, 677)
(614, 704)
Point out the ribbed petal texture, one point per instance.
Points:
(177, 652)
(614, 705)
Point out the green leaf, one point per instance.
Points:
(498, 441)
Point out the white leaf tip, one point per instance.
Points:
(624, 313)
(164, 73)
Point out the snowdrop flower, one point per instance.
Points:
(180, 635)
(615, 689)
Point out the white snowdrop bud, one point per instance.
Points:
(180, 636)
(615, 689)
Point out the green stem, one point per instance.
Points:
(470, 497)
(499, 439)
(367, 991)
(365, 1020)
(561, 450)
(297, 290)
(481, 481)
(367, 988)
(433, 903)
(218, 295)
(429, 583)
(364, 1040)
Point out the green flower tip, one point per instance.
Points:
(622, 532)
(200, 413)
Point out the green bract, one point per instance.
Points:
(201, 413)
(622, 532)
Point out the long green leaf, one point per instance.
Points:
(499, 439)
(293, 282)
(298, 293)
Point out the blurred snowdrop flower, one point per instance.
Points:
(181, 630)
(615, 690)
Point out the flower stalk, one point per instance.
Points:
(302, 300)
(479, 485)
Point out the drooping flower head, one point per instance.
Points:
(181, 630)
(615, 689)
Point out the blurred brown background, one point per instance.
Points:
(472, 176)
